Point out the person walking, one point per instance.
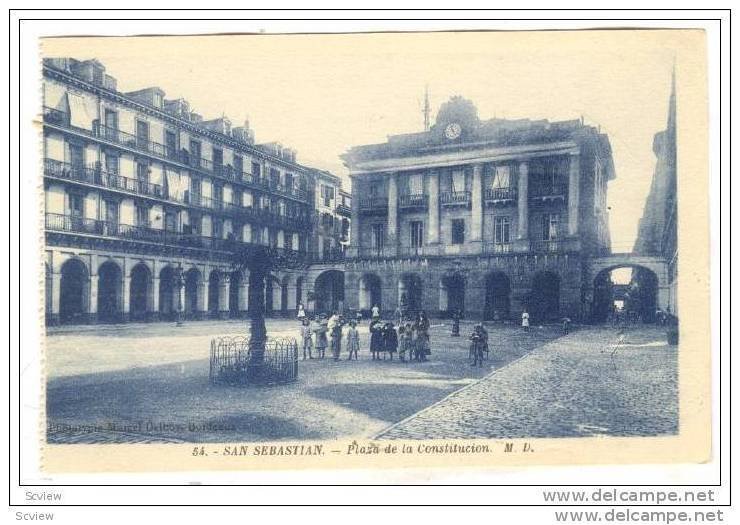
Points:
(376, 338)
(306, 338)
(405, 341)
(423, 347)
(390, 339)
(525, 320)
(478, 344)
(335, 332)
(353, 340)
(320, 329)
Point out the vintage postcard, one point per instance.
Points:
(379, 250)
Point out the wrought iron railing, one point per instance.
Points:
(233, 362)
(371, 252)
(373, 203)
(455, 197)
(548, 191)
(501, 194)
(413, 200)
(497, 247)
(99, 177)
(56, 117)
(411, 251)
(546, 246)
(130, 140)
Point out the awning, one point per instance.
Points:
(78, 115)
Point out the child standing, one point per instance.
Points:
(390, 339)
(320, 330)
(353, 340)
(406, 341)
(306, 338)
(525, 320)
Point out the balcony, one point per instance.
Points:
(372, 252)
(498, 247)
(547, 246)
(97, 177)
(56, 117)
(132, 141)
(455, 198)
(413, 201)
(371, 205)
(549, 192)
(343, 210)
(412, 251)
(500, 195)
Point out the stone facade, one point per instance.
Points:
(488, 217)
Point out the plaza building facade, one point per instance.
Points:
(487, 217)
(146, 202)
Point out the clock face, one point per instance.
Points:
(452, 131)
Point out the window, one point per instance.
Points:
(218, 157)
(170, 221)
(195, 152)
(111, 119)
(458, 181)
(550, 222)
(142, 215)
(111, 212)
(416, 184)
(218, 228)
(458, 231)
(170, 142)
(378, 239)
(327, 195)
(501, 177)
(111, 163)
(417, 234)
(238, 164)
(256, 170)
(142, 172)
(76, 156)
(142, 134)
(76, 205)
(502, 230)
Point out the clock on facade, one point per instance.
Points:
(452, 131)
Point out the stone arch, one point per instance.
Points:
(371, 292)
(74, 291)
(640, 297)
(168, 290)
(236, 282)
(139, 291)
(543, 303)
(110, 287)
(329, 291)
(498, 296)
(193, 282)
(212, 305)
(452, 293)
(410, 292)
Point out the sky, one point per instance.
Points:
(323, 94)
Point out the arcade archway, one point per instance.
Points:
(73, 292)
(109, 292)
(139, 292)
(629, 294)
(544, 298)
(371, 292)
(329, 291)
(498, 293)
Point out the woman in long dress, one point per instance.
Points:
(376, 338)
(423, 347)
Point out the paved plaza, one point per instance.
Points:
(596, 381)
(149, 383)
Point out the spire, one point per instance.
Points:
(426, 109)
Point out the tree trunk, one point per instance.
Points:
(257, 328)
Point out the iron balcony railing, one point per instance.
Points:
(332, 256)
(546, 246)
(56, 117)
(372, 252)
(130, 140)
(99, 177)
(411, 251)
(343, 209)
(373, 204)
(452, 198)
(500, 194)
(549, 191)
(497, 247)
(413, 200)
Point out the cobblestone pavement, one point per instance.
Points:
(597, 381)
(149, 383)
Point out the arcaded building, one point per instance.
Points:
(490, 217)
(145, 203)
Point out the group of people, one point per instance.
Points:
(410, 340)
(325, 332)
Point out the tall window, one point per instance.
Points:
(142, 134)
(416, 184)
(417, 234)
(327, 195)
(458, 231)
(238, 164)
(550, 223)
(502, 230)
(195, 152)
(218, 228)
(142, 172)
(111, 120)
(111, 212)
(378, 239)
(170, 142)
(142, 215)
(256, 170)
(458, 181)
(218, 157)
(76, 205)
(111, 163)
(501, 177)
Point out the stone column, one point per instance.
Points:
(154, 299)
(354, 224)
(523, 202)
(433, 227)
(244, 295)
(223, 296)
(476, 222)
(56, 282)
(126, 299)
(202, 298)
(392, 233)
(92, 305)
(574, 187)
